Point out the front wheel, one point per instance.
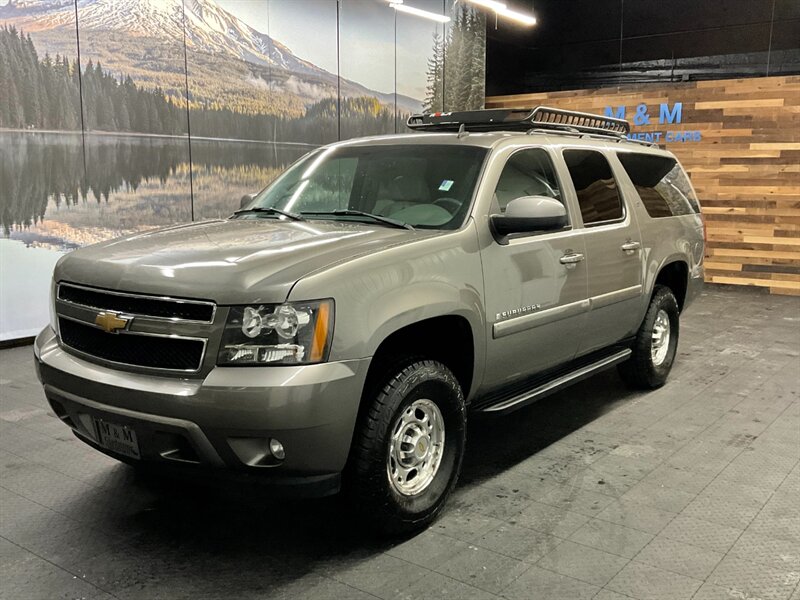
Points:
(656, 343)
(407, 453)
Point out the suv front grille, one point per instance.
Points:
(143, 350)
(150, 306)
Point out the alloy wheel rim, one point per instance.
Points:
(659, 346)
(415, 447)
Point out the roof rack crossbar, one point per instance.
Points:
(521, 119)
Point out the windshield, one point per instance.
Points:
(425, 186)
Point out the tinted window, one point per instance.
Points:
(526, 173)
(594, 182)
(661, 183)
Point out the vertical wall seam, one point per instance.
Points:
(395, 71)
(769, 46)
(188, 118)
(621, 37)
(338, 73)
(274, 132)
(80, 88)
(444, 57)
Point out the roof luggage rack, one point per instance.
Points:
(521, 119)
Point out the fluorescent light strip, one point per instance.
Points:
(517, 16)
(420, 13)
(502, 10)
(495, 6)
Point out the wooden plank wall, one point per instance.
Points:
(745, 169)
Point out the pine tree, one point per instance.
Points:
(433, 96)
(463, 58)
(477, 67)
(452, 69)
(5, 75)
(464, 61)
(29, 88)
(155, 121)
(142, 122)
(16, 117)
(123, 117)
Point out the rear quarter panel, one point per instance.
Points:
(664, 240)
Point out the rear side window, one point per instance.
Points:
(661, 183)
(598, 195)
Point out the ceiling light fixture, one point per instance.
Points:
(417, 12)
(501, 10)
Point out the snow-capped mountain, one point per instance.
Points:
(34, 15)
(209, 29)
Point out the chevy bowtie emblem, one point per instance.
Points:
(112, 322)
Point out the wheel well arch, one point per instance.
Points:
(675, 275)
(447, 339)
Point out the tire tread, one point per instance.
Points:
(368, 458)
(638, 371)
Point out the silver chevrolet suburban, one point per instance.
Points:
(336, 331)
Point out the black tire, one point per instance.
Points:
(640, 371)
(368, 487)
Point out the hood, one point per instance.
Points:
(230, 262)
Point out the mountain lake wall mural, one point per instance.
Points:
(118, 116)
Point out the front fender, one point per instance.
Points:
(404, 308)
(380, 294)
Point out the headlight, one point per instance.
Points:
(291, 333)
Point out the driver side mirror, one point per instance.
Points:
(528, 214)
(246, 200)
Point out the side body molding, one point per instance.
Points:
(550, 315)
(621, 295)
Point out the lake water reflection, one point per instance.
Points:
(118, 184)
(59, 194)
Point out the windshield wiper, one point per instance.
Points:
(346, 212)
(270, 210)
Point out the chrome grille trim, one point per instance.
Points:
(94, 357)
(206, 303)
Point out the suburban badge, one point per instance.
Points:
(516, 312)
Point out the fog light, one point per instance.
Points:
(277, 449)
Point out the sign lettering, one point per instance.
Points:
(667, 115)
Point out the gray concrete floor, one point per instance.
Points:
(692, 491)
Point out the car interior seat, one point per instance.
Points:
(404, 191)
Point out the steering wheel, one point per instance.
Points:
(451, 205)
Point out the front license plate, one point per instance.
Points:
(117, 438)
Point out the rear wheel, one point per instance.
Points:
(656, 343)
(408, 451)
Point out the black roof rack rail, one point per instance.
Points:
(521, 119)
(605, 136)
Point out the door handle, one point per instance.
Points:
(571, 259)
(629, 246)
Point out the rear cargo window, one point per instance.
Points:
(595, 185)
(661, 183)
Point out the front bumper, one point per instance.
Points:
(223, 420)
